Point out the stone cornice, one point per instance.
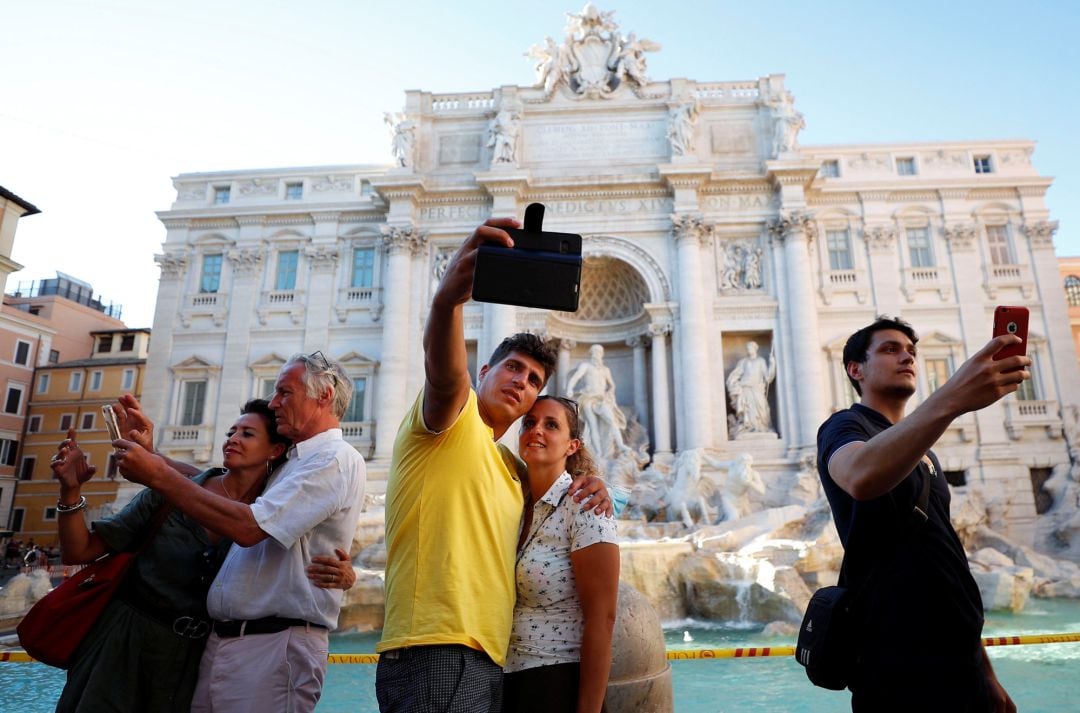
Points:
(721, 187)
(399, 187)
(873, 195)
(684, 177)
(175, 223)
(212, 223)
(504, 183)
(373, 217)
(289, 219)
(792, 173)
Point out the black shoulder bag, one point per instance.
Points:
(826, 645)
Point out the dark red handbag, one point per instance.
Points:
(55, 626)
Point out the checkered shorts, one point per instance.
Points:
(438, 679)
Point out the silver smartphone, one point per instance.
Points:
(110, 422)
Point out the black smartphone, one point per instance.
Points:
(543, 269)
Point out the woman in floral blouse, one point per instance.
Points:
(567, 576)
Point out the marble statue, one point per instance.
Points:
(787, 123)
(402, 137)
(552, 64)
(752, 268)
(728, 276)
(604, 420)
(503, 135)
(680, 130)
(630, 62)
(698, 498)
(748, 391)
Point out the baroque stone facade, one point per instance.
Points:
(706, 226)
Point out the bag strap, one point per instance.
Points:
(160, 515)
(919, 512)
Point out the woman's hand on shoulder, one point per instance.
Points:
(332, 572)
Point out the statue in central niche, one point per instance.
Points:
(595, 394)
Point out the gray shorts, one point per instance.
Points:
(438, 679)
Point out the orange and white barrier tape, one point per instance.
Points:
(742, 652)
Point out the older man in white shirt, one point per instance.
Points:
(270, 640)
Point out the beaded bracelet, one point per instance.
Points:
(65, 509)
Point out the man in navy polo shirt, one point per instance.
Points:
(918, 610)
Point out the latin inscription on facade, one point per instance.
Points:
(595, 141)
(454, 212)
(732, 137)
(740, 202)
(612, 206)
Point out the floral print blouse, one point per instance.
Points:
(548, 622)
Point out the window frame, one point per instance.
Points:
(22, 473)
(1072, 290)
(849, 258)
(359, 399)
(26, 357)
(97, 378)
(283, 271)
(104, 345)
(88, 421)
(33, 424)
(294, 191)
(127, 380)
(830, 168)
(21, 391)
(186, 416)
(982, 164)
(221, 195)
(926, 234)
(75, 381)
(370, 269)
(44, 380)
(70, 418)
(210, 282)
(1004, 244)
(906, 166)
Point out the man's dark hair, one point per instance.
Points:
(857, 348)
(545, 353)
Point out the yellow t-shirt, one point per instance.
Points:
(453, 509)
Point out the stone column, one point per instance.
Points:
(885, 268)
(796, 230)
(1055, 311)
(247, 268)
(690, 232)
(661, 399)
(321, 291)
(562, 372)
(155, 391)
(641, 398)
(401, 242)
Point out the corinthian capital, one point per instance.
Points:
(322, 257)
(659, 329)
(690, 226)
(791, 222)
(1041, 232)
(880, 238)
(171, 265)
(246, 261)
(960, 236)
(402, 238)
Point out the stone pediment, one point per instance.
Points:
(272, 359)
(195, 363)
(356, 359)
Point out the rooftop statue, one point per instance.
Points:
(594, 58)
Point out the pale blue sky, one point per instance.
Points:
(102, 102)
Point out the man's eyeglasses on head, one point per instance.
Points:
(317, 358)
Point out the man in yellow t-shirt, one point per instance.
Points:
(453, 508)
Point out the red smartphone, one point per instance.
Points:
(1011, 320)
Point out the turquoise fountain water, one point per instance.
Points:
(1041, 679)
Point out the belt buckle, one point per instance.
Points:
(190, 628)
(391, 655)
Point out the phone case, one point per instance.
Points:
(1011, 320)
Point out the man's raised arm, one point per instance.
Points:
(869, 469)
(446, 362)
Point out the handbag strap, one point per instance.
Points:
(160, 515)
